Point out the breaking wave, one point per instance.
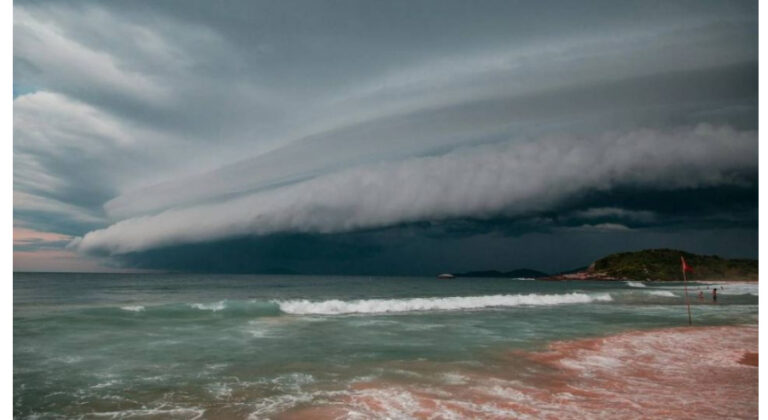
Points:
(665, 293)
(369, 306)
(215, 306)
(634, 284)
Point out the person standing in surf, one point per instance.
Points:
(714, 294)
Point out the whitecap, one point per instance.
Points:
(105, 384)
(216, 306)
(664, 293)
(367, 306)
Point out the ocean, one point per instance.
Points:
(274, 346)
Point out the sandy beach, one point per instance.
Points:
(687, 372)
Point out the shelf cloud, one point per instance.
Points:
(485, 181)
(164, 125)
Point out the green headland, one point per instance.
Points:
(664, 265)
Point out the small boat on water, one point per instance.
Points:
(445, 276)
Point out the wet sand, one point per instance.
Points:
(749, 359)
(688, 372)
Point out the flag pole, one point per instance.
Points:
(685, 286)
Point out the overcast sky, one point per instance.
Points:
(401, 137)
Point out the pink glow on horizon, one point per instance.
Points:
(54, 260)
(23, 236)
(50, 259)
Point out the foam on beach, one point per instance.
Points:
(699, 372)
(369, 306)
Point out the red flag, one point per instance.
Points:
(686, 267)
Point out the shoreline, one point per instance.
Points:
(678, 372)
(728, 281)
(617, 280)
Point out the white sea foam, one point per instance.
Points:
(367, 306)
(635, 284)
(403, 402)
(665, 293)
(163, 412)
(266, 407)
(722, 288)
(105, 384)
(738, 289)
(453, 378)
(220, 390)
(216, 306)
(69, 359)
(132, 308)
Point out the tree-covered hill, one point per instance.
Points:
(664, 264)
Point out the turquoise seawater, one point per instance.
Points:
(238, 346)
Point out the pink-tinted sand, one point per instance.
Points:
(699, 372)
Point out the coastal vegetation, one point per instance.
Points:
(649, 264)
(664, 264)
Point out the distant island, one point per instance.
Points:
(519, 273)
(663, 265)
(649, 264)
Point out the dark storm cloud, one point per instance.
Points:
(412, 250)
(566, 237)
(167, 128)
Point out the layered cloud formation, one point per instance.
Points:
(143, 128)
(509, 179)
